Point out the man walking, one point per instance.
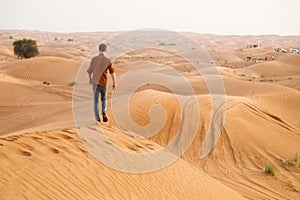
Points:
(98, 76)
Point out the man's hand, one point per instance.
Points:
(113, 76)
(90, 79)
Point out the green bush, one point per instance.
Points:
(72, 83)
(292, 162)
(25, 48)
(269, 169)
(164, 44)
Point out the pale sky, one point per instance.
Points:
(212, 16)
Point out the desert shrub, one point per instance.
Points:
(72, 83)
(292, 162)
(25, 48)
(269, 169)
(164, 44)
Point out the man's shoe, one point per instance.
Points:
(104, 117)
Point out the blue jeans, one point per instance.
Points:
(103, 91)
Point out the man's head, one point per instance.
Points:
(102, 47)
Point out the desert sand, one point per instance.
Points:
(44, 156)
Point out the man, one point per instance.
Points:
(98, 76)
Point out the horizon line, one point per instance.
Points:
(119, 31)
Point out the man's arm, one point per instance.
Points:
(90, 78)
(113, 76)
(90, 71)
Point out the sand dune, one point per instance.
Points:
(252, 137)
(261, 125)
(274, 68)
(259, 116)
(6, 54)
(291, 82)
(54, 53)
(231, 42)
(6, 50)
(25, 106)
(27, 103)
(56, 165)
(51, 69)
(291, 59)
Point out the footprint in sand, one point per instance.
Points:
(139, 146)
(132, 148)
(53, 150)
(28, 147)
(25, 153)
(64, 136)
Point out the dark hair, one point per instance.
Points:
(102, 47)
